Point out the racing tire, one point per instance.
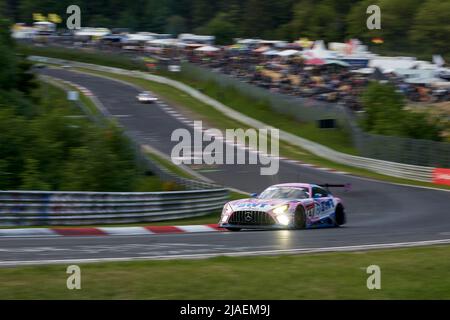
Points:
(339, 216)
(233, 229)
(300, 218)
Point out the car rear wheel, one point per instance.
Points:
(233, 229)
(339, 216)
(300, 218)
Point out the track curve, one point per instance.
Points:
(378, 212)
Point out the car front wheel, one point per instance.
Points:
(300, 218)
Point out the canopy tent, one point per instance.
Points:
(248, 41)
(337, 62)
(165, 43)
(261, 49)
(92, 32)
(422, 80)
(271, 53)
(393, 63)
(364, 70)
(315, 62)
(288, 53)
(207, 49)
(238, 46)
(319, 51)
(444, 74)
(138, 37)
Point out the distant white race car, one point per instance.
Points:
(146, 97)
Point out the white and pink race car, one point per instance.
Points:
(286, 206)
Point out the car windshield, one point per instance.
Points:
(284, 193)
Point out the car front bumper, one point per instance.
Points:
(275, 226)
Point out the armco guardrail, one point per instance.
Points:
(39, 208)
(389, 168)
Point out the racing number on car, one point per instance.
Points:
(323, 207)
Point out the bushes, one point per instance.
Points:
(385, 114)
(52, 151)
(43, 147)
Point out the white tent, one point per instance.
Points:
(364, 70)
(271, 53)
(393, 63)
(319, 51)
(207, 49)
(92, 32)
(139, 37)
(194, 38)
(164, 43)
(288, 53)
(417, 80)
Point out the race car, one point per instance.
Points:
(286, 206)
(146, 97)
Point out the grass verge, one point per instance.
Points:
(414, 273)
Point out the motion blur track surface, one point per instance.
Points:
(378, 212)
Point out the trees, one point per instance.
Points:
(176, 25)
(43, 149)
(406, 24)
(431, 28)
(8, 61)
(385, 115)
(383, 106)
(220, 27)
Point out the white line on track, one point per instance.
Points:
(234, 254)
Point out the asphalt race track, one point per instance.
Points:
(377, 212)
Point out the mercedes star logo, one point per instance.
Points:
(248, 216)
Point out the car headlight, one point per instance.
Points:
(281, 215)
(281, 209)
(283, 219)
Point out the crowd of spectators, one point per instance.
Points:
(292, 75)
(328, 82)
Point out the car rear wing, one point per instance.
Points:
(327, 186)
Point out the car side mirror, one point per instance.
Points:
(253, 195)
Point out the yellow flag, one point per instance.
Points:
(53, 17)
(38, 17)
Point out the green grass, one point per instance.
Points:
(177, 170)
(415, 273)
(216, 119)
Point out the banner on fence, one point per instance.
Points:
(441, 176)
